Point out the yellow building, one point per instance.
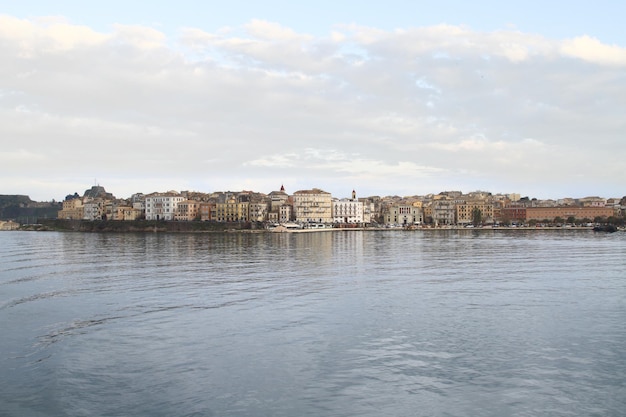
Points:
(465, 212)
(126, 213)
(313, 206)
(9, 225)
(232, 211)
(73, 209)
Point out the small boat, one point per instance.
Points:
(609, 228)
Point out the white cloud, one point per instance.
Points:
(50, 35)
(592, 50)
(347, 165)
(20, 156)
(270, 31)
(139, 36)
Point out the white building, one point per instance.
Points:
(368, 209)
(259, 211)
(348, 210)
(93, 209)
(162, 206)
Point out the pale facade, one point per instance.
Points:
(285, 213)
(404, 214)
(127, 213)
(592, 202)
(348, 211)
(278, 198)
(93, 210)
(259, 211)
(369, 209)
(162, 206)
(313, 206)
(9, 225)
(443, 212)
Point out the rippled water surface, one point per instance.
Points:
(431, 323)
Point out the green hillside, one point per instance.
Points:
(22, 209)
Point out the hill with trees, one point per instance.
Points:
(22, 209)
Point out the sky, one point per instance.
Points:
(388, 98)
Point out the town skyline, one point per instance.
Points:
(318, 208)
(343, 194)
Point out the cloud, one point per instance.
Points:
(20, 156)
(270, 31)
(139, 36)
(592, 50)
(46, 35)
(407, 110)
(350, 165)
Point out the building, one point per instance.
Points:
(94, 209)
(207, 211)
(285, 213)
(404, 214)
(9, 225)
(277, 199)
(565, 212)
(232, 210)
(280, 208)
(512, 214)
(259, 211)
(162, 206)
(592, 202)
(443, 211)
(465, 212)
(313, 206)
(348, 210)
(188, 210)
(128, 213)
(73, 209)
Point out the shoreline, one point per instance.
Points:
(111, 226)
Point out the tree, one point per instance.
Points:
(477, 216)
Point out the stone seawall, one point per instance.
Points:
(119, 226)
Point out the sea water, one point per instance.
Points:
(346, 323)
